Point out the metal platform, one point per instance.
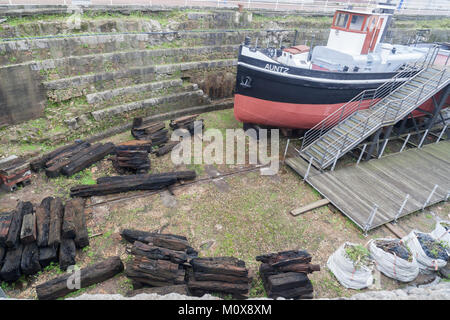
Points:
(379, 191)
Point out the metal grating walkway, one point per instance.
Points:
(384, 182)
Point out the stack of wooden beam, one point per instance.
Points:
(32, 239)
(73, 158)
(284, 274)
(131, 158)
(154, 132)
(117, 184)
(187, 122)
(224, 275)
(13, 172)
(158, 258)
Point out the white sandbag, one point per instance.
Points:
(425, 262)
(440, 233)
(345, 271)
(392, 265)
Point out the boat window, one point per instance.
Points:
(341, 20)
(356, 22)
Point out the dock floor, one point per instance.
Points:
(384, 182)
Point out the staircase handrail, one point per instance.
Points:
(409, 71)
(380, 114)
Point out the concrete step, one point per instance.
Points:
(67, 88)
(189, 98)
(103, 96)
(54, 69)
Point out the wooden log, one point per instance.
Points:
(110, 188)
(221, 265)
(43, 222)
(47, 255)
(180, 289)
(69, 225)
(28, 232)
(179, 122)
(81, 231)
(156, 273)
(30, 259)
(202, 276)
(179, 175)
(285, 281)
(137, 122)
(169, 242)
(219, 287)
(166, 148)
(55, 165)
(93, 274)
(299, 267)
(309, 207)
(23, 208)
(11, 266)
(132, 235)
(56, 221)
(67, 252)
(39, 163)
(157, 253)
(5, 222)
(272, 258)
(88, 159)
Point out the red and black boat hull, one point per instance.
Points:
(268, 94)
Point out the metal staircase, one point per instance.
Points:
(373, 109)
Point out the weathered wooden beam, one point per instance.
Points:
(157, 253)
(5, 222)
(43, 222)
(11, 266)
(179, 175)
(309, 207)
(117, 187)
(39, 163)
(56, 220)
(47, 255)
(28, 232)
(88, 158)
(81, 231)
(23, 208)
(68, 226)
(67, 252)
(273, 258)
(93, 274)
(221, 265)
(30, 259)
(395, 230)
(156, 273)
(166, 148)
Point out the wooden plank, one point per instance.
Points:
(15, 228)
(81, 231)
(395, 230)
(28, 232)
(43, 222)
(30, 259)
(93, 274)
(5, 222)
(68, 226)
(67, 251)
(311, 206)
(11, 266)
(56, 220)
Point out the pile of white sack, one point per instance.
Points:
(388, 263)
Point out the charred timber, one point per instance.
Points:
(93, 274)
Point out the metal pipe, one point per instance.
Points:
(370, 220)
(286, 149)
(423, 139)
(362, 153)
(382, 149)
(429, 197)
(309, 168)
(399, 212)
(335, 160)
(406, 141)
(442, 133)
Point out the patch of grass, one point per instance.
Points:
(358, 254)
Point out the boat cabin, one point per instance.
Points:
(356, 32)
